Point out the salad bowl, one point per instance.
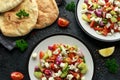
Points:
(85, 26)
(64, 39)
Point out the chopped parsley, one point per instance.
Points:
(70, 6)
(112, 65)
(22, 14)
(21, 44)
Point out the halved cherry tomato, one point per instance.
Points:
(62, 22)
(17, 76)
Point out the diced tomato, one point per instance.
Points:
(41, 54)
(112, 26)
(53, 57)
(79, 60)
(92, 24)
(71, 55)
(58, 78)
(17, 76)
(52, 66)
(106, 1)
(105, 31)
(98, 28)
(55, 46)
(62, 22)
(118, 18)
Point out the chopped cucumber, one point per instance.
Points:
(38, 74)
(65, 68)
(113, 19)
(84, 17)
(83, 68)
(49, 53)
(113, 12)
(45, 56)
(95, 6)
(64, 74)
(84, 6)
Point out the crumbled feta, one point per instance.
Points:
(112, 31)
(116, 9)
(34, 56)
(98, 32)
(69, 76)
(74, 59)
(119, 28)
(44, 78)
(55, 66)
(42, 62)
(108, 15)
(92, 19)
(47, 65)
(83, 78)
(101, 2)
(76, 69)
(62, 65)
(98, 19)
(108, 24)
(111, 1)
(109, 34)
(117, 3)
(59, 73)
(72, 67)
(51, 78)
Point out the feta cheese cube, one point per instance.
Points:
(108, 15)
(69, 76)
(51, 78)
(44, 78)
(62, 65)
(47, 65)
(101, 2)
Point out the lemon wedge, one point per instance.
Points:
(105, 52)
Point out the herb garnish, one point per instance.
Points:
(70, 6)
(21, 44)
(112, 65)
(22, 14)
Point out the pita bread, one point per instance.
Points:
(12, 26)
(48, 13)
(6, 5)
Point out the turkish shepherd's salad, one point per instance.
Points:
(102, 15)
(61, 62)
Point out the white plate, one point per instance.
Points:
(86, 28)
(65, 39)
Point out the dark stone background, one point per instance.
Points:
(15, 60)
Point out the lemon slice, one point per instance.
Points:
(105, 52)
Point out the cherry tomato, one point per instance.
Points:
(17, 76)
(63, 22)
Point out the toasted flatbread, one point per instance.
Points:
(13, 26)
(48, 13)
(6, 5)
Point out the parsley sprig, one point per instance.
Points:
(112, 65)
(22, 14)
(21, 44)
(70, 6)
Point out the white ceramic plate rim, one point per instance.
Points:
(65, 39)
(84, 25)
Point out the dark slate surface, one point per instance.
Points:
(18, 61)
